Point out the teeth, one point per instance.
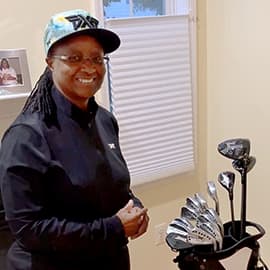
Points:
(86, 81)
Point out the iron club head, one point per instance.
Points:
(202, 201)
(194, 204)
(188, 213)
(212, 191)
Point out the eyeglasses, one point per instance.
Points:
(78, 59)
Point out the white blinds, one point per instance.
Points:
(151, 95)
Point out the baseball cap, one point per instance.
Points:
(76, 22)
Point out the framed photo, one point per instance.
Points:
(14, 72)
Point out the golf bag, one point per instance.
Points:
(199, 236)
(203, 257)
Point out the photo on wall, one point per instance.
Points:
(14, 72)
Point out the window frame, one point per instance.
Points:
(171, 7)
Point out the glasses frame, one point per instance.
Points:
(68, 59)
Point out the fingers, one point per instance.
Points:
(133, 219)
(129, 205)
(143, 225)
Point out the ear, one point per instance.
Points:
(49, 62)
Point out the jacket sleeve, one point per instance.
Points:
(24, 159)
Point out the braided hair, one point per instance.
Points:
(40, 98)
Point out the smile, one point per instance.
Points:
(86, 81)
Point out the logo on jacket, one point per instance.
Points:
(111, 145)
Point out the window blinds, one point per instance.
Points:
(151, 95)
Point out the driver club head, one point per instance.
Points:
(234, 148)
(247, 164)
(227, 179)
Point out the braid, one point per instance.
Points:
(40, 98)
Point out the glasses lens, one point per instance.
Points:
(75, 59)
(78, 59)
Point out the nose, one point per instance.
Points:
(88, 65)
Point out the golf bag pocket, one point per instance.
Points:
(236, 253)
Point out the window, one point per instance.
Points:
(131, 8)
(151, 86)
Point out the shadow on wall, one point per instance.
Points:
(168, 189)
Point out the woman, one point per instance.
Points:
(7, 73)
(64, 182)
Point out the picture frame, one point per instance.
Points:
(14, 73)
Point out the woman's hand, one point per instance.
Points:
(134, 220)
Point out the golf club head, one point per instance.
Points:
(194, 204)
(215, 218)
(201, 237)
(202, 201)
(194, 237)
(227, 179)
(213, 230)
(212, 191)
(173, 229)
(179, 226)
(246, 165)
(188, 213)
(235, 148)
(185, 222)
(206, 218)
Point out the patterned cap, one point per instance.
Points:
(76, 22)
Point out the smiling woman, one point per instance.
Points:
(65, 184)
(8, 74)
(77, 68)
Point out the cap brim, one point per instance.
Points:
(107, 39)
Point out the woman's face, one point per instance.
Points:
(78, 68)
(4, 63)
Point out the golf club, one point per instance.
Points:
(238, 164)
(227, 179)
(194, 236)
(206, 218)
(238, 150)
(179, 226)
(194, 204)
(188, 213)
(234, 148)
(212, 191)
(243, 166)
(215, 218)
(213, 231)
(184, 222)
(202, 201)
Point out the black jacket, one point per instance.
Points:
(61, 188)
